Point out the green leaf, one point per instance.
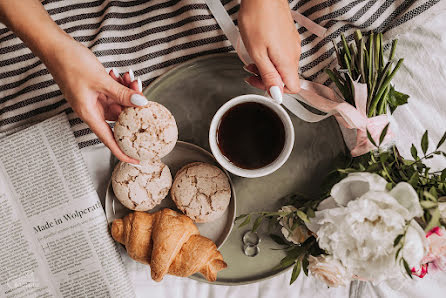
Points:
(397, 240)
(443, 138)
(279, 240)
(398, 252)
(240, 217)
(296, 272)
(257, 223)
(296, 251)
(246, 221)
(383, 133)
(310, 213)
(395, 99)
(384, 156)
(369, 136)
(425, 142)
(302, 215)
(443, 175)
(287, 261)
(374, 167)
(389, 186)
(428, 204)
(433, 192)
(429, 196)
(434, 221)
(305, 264)
(414, 152)
(414, 179)
(406, 266)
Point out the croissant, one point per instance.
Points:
(169, 242)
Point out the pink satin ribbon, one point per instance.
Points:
(316, 95)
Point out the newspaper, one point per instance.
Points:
(54, 236)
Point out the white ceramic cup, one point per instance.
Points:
(268, 169)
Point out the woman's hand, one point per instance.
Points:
(271, 38)
(94, 94)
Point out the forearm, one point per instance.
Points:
(29, 20)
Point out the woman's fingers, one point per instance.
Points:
(121, 94)
(115, 75)
(112, 111)
(290, 75)
(287, 69)
(257, 82)
(270, 76)
(287, 64)
(252, 69)
(105, 134)
(135, 86)
(127, 79)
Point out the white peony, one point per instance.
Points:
(299, 234)
(358, 224)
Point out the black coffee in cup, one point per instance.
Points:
(251, 135)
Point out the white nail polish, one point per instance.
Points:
(139, 85)
(115, 72)
(132, 75)
(276, 94)
(139, 100)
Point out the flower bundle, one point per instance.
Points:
(380, 216)
(364, 61)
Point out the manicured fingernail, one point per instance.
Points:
(115, 72)
(132, 75)
(139, 100)
(139, 85)
(276, 94)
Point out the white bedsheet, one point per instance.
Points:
(424, 78)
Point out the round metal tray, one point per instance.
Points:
(193, 92)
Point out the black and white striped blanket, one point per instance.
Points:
(152, 36)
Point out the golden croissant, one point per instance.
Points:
(169, 242)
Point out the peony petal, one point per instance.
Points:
(328, 203)
(382, 202)
(405, 195)
(415, 245)
(355, 185)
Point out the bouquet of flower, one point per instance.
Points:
(378, 216)
(382, 216)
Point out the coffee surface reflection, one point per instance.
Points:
(251, 135)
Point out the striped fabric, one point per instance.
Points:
(153, 36)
